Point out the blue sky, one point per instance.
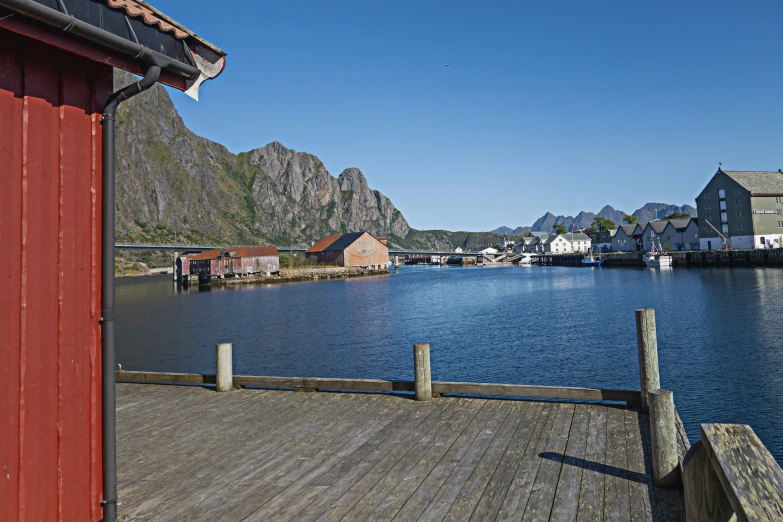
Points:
(546, 106)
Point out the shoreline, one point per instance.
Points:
(296, 275)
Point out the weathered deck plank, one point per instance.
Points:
(591, 492)
(616, 491)
(188, 453)
(566, 502)
(495, 492)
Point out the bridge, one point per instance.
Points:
(283, 249)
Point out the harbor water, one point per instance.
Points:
(719, 331)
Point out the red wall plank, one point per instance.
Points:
(74, 296)
(38, 491)
(11, 237)
(50, 201)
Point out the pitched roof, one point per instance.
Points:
(345, 241)
(206, 254)
(256, 251)
(681, 224)
(657, 226)
(337, 242)
(757, 182)
(627, 229)
(578, 236)
(323, 243)
(152, 17)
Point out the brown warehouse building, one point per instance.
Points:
(355, 249)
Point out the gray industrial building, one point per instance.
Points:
(745, 207)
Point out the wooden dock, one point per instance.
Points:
(188, 453)
(239, 447)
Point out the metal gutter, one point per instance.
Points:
(69, 24)
(108, 386)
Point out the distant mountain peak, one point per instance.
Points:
(585, 219)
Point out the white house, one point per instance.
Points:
(458, 250)
(557, 244)
(507, 243)
(580, 242)
(489, 251)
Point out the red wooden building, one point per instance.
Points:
(254, 260)
(56, 227)
(208, 263)
(230, 261)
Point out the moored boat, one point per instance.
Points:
(591, 260)
(525, 259)
(657, 256)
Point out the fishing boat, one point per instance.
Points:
(657, 256)
(525, 259)
(592, 259)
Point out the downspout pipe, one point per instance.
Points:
(108, 385)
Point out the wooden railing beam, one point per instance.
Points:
(460, 388)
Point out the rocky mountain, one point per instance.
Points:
(584, 219)
(173, 185)
(504, 230)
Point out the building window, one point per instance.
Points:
(722, 194)
(724, 217)
(723, 205)
(725, 228)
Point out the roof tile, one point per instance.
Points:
(256, 251)
(136, 9)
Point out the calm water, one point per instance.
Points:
(719, 331)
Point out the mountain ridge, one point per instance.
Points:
(584, 219)
(173, 184)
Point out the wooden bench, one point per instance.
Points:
(730, 473)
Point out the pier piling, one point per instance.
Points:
(647, 344)
(224, 376)
(663, 434)
(421, 369)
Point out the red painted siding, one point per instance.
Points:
(50, 144)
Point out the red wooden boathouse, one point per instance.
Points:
(56, 61)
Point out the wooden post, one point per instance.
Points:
(705, 500)
(647, 344)
(663, 434)
(224, 376)
(421, 369)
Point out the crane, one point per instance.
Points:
(725, 240)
